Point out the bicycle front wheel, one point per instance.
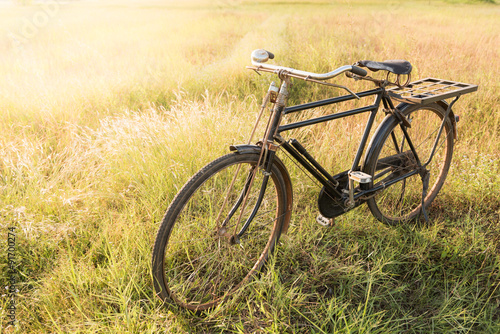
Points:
(218, 231)
(392, 159)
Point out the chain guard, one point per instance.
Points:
(329, 205)
(333, 205)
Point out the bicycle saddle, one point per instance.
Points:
(393, 66)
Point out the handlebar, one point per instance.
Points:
(260, 56)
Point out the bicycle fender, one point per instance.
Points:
(444, 105)
(247, 148)
(389, 121)
(242, 148)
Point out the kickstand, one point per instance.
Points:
(425, 175)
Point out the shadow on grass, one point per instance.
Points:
(362, 276)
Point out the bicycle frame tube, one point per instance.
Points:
(300, 154)
(441, 130)
(269, 151)
(331, 117)
(304, 158)
(300, 107)
(406, 136)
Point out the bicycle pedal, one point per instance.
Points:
(324, 221)
(360, 177)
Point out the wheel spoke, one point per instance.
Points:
(402, 201)
(203, 262)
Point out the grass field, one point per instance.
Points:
(107, 108)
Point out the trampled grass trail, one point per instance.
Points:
(107, 109)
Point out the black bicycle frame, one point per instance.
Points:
(298, 152)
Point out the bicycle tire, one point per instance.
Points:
(402, 202)
(209, 266)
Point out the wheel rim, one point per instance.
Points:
(203, 261)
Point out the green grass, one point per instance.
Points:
(107, 109)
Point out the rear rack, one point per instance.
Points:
(430, 90)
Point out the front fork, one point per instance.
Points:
(269, 147)
(266, 159)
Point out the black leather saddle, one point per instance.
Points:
(393, 66)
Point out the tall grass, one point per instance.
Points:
(109, 108)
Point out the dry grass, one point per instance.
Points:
(107, 109)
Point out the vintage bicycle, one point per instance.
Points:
(224, 223)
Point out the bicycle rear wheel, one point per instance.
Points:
(197, 260)
(391, 158)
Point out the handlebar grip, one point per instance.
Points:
(271, 55)
(358, 71)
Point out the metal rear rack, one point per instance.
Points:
(430, 90)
